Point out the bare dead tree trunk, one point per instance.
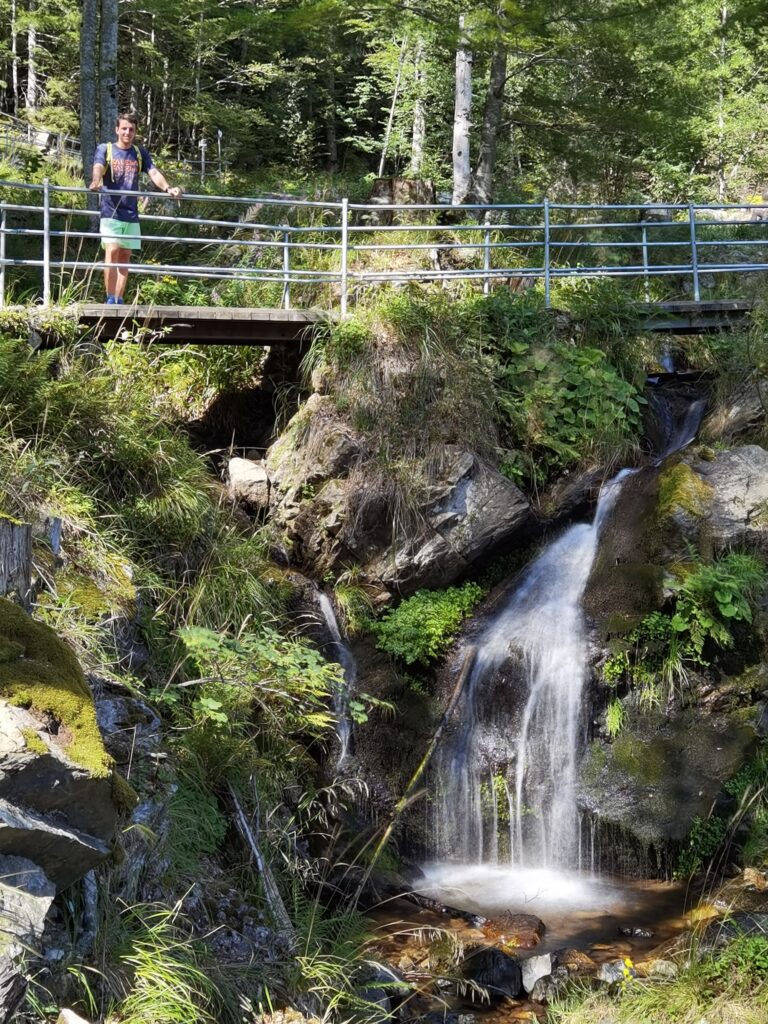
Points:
(16, 560)
(418, 139)
(88, 53)
(108, 67)
(32, 91)
(462, 119)
(491, 120)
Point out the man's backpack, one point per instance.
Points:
(136, 146)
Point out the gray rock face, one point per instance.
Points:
(739, 482)
(335, 516)
(661, 771)
(25, 897)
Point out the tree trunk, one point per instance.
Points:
(491, 121)
(31, 100)
(14, 60)
(88, 50)
(331, 139)
(462, 174)
(108, 68)
(16, 560)
(392, 109)
(419, 113)
(721, 180)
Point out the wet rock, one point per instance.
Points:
(615, 971)
(659, 773)
(657, 968)
(130, 727)
(551, 986)
(495, 971)
(536, 967)
(522, 931)
(736, 926)
(576, 962)
(636, 933)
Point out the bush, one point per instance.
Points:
(422, 628)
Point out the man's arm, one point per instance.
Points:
(159, 179)
(97, 176)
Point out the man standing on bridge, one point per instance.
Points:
(117, 166)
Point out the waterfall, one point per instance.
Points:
(339, 652)
(542, 624)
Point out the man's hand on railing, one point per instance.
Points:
(95, 186)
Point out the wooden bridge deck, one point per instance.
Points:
(200, 325)
(219, 325)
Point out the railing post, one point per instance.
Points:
(694, 253)
(646, 278)
(286, 267)
(46, 242)
(3, 225)
(487, 254)
(547, 269)
(344, 245)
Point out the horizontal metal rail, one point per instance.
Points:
(335, 250)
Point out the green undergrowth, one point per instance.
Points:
(727, 986)
(708, 600)
(495, 375)
(422, 627)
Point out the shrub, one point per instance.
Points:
(422, 627)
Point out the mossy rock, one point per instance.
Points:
(682, 490)
(46, 677)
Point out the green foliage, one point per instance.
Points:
(197, 825)
(713, 597)
(614, 718)
(422, 627)
(654, 657)
(253, 696)
(704, 840)
(742, 963)
(169, 979)
(559, 404)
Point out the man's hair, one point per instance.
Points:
(127, 117)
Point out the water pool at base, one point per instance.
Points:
(578, 910)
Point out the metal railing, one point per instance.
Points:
(270, 248)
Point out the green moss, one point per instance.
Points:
(34, 742)
(124, 796)
(680, 489)
(596, 760)
(47, 678)
(642, 759)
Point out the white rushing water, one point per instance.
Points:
(534, 802)
(339, 652)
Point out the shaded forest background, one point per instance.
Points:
(651, 100)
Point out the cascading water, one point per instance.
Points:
(544, 624)
(337, 650)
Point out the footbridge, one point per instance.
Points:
(265, 270)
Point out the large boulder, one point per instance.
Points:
(58, 804)
(658, 774)
(337, 511)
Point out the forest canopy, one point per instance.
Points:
(509, 99)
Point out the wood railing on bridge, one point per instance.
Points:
(283, 252)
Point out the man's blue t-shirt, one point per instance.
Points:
(121, 173)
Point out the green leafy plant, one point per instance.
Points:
(704, 839)
(614, 718)
(422, 627)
